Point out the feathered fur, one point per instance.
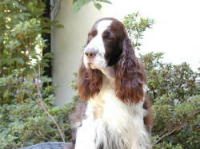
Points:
(111, 79)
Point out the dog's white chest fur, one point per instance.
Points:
(112, 124)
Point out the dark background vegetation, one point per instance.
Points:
(27, 111)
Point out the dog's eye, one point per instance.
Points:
(107, 35)
(89, 37)
(92, 34)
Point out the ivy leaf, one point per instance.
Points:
(98, 6)
(77, 4)
(105, 1)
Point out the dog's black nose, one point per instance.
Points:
(90, 53)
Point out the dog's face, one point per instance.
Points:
(109, 53)
(104, 44)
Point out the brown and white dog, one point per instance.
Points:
(112, 81)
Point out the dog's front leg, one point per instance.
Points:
(85, 137)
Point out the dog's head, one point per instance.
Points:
(104, 44)
(108, 45)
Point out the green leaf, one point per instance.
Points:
(98, 5)
(105, 1)
(78, 4)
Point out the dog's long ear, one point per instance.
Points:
(129, 79)
(89, 82)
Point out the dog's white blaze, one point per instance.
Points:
(98, 44)
(97, 41)
(123, 120)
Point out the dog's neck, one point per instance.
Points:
(109, 74)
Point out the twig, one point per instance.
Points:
(168, 134)
(178, 128)
(44, 107)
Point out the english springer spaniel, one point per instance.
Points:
(111, 80)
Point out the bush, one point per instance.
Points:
(168, 79)
(27, 112)
(176, 103)
(27, 124)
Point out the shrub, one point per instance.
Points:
(176, 102)
(27, 112)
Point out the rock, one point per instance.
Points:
(51, 145)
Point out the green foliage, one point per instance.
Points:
(136, 26)
(174, 93)
(78, 4)
(177, 122)
(27, 113)
(27, 124)
(165, 145)
(178, 81)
